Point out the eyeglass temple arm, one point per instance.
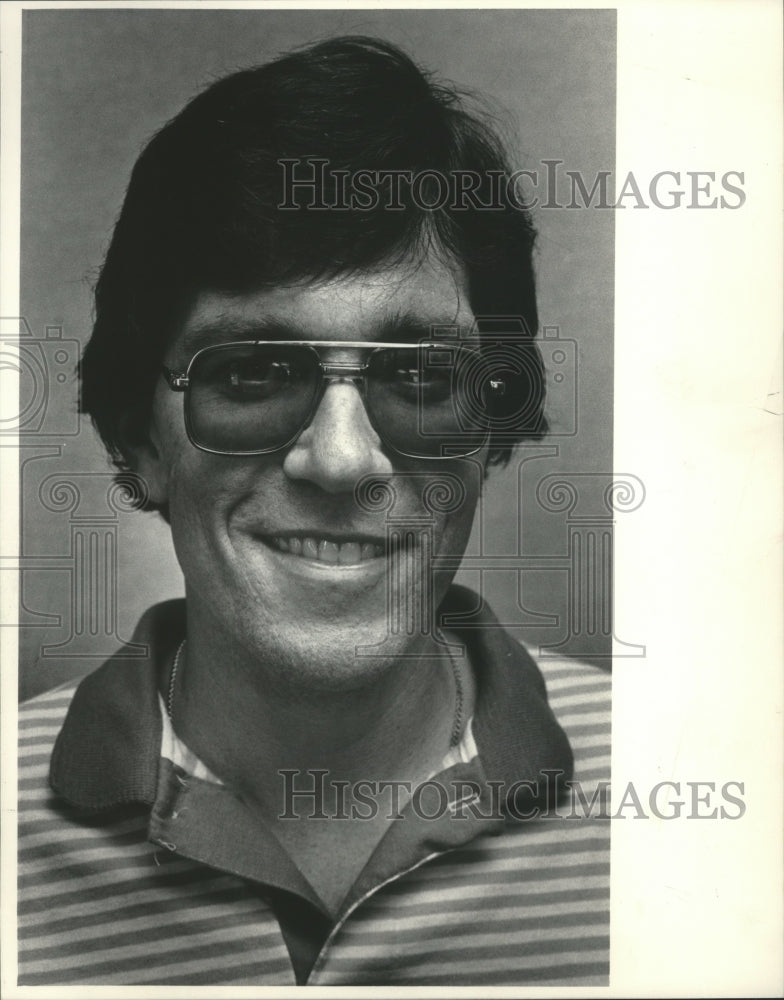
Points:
(178, 383)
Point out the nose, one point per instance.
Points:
(339, 445)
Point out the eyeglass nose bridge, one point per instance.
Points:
(336, 371)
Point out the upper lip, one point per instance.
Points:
(327, 534)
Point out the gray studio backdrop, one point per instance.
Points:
(96, 84)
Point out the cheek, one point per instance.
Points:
(193, 514)
(457, 529)
(203, 490)
(198, 483)
(459, 495)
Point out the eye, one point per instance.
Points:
(408, 375)
(412, 377)
(248, 377)
(425, 386)
(254, 376)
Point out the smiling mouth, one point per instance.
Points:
(350, 552)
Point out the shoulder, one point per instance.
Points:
(40, 720)
(574, 683)
(579, 694)
(68, 860)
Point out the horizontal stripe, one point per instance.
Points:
(126, 877)
(566, 685)
(558, 684)
(85, 940)
(416, 919)
(488, 875)
(577, 724)
(179, 965)
(51, 816)
(35, 795)
(590, 752)
(32, 717)
(96, 903)
(160, 952)
(601, 772)
(571, 713)
(537, 954)
(516, 916)
(589, 741)
(589, 973)
(36, 735)
(522, 936)
(37, 836)
(507, 847)
(404, 908)
(234, 898)
(510, 862)
(446, 895)
(491, 871)
(580, 705)
(32, 758)
(554, 666)
(75, 860)
(134, 864)
(234, 974)
(29, 777)
(52, 700)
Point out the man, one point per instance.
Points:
(334, 767)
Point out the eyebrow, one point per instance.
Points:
(410, 327)
(406, 327)
(224, 330)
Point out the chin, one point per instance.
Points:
(332, 656)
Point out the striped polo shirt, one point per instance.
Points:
(139, 867)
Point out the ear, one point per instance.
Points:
(146, 462)
(144, 456)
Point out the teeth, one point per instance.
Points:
(328, 551)
(349, 553)
(324, 550)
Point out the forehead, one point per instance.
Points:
(401, 301)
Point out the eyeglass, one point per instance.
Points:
(427, 400)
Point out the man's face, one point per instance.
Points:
(278, 555)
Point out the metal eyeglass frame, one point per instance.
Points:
(330, 372)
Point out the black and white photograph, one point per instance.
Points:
(466, 671)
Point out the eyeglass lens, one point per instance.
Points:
(422, 401)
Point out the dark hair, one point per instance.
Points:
(201, 212)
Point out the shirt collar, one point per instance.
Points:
(108, 751)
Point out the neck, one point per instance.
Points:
(248, 723)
